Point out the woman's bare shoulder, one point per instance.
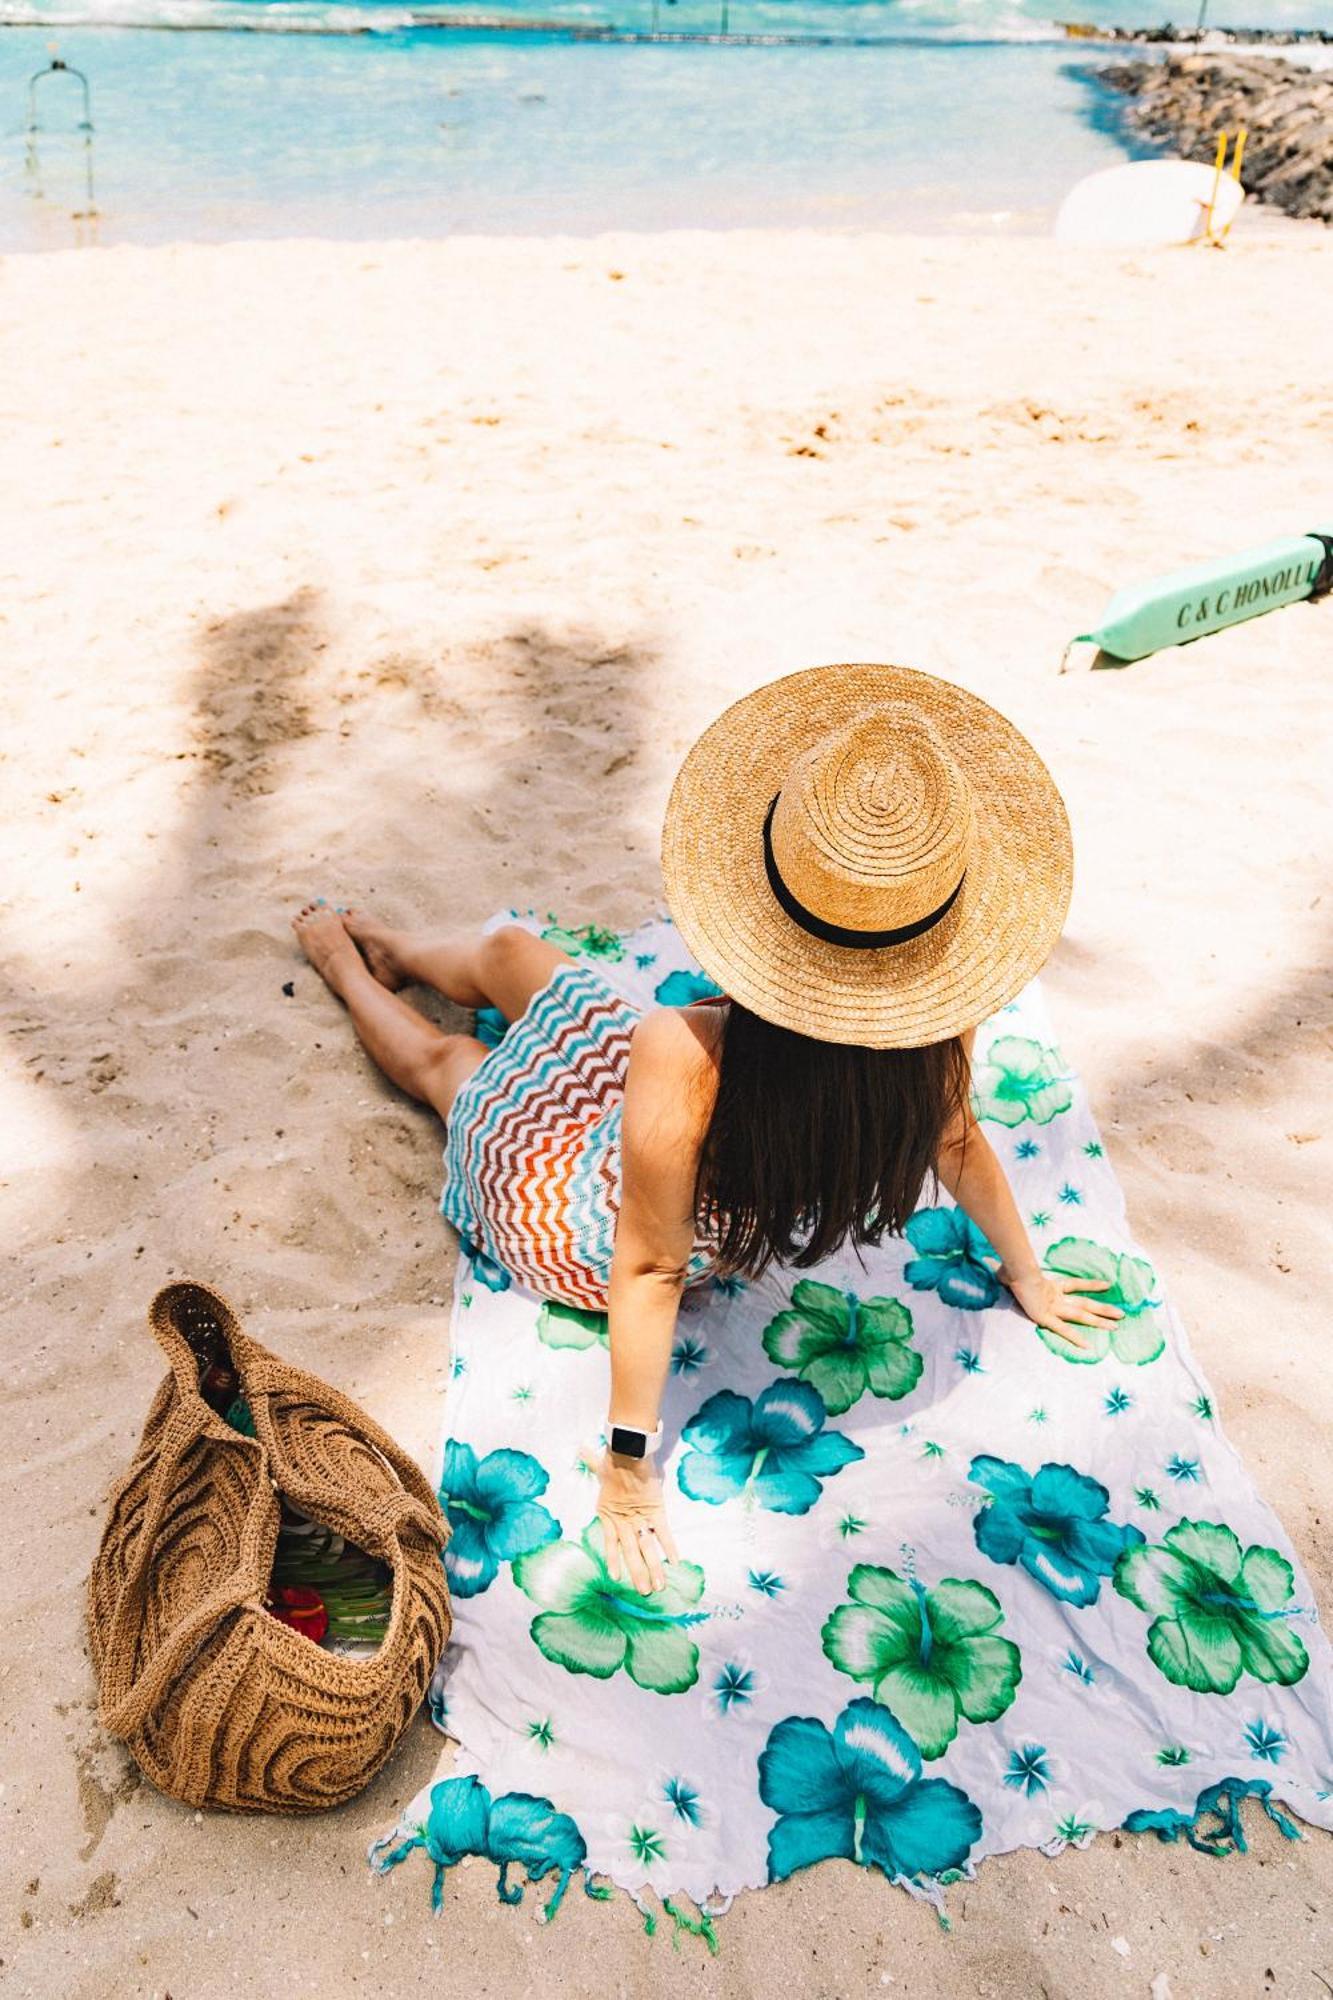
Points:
(676, 1039)
(677, 1052)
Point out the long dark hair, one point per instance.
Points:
(814, 1144)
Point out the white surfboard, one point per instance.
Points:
(1148, 201)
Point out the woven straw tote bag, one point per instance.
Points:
(220, 1703)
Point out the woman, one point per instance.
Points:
(869, 862)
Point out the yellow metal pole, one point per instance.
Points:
(1236, 158)
(1217, 182)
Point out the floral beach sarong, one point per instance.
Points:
(946, 1590)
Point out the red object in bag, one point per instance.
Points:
(297, 1605)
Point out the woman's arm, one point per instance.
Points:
(967, 1167)
(663, 1122)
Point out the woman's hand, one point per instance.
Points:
(633, 1517)
(1057, 1303)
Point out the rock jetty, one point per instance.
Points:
(1186, 101)
(1170, 35)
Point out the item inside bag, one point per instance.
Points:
(322, 1585)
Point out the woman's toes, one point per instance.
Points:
(377, 945)
(320, 934)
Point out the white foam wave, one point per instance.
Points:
(971, 20)
(282, 17)
(942, 21)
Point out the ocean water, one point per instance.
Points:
(355, 120)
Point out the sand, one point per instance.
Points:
(404, 573)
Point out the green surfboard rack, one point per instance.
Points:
(1191, 603)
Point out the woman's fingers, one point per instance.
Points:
(636, 1548)
(1066, 1331)
(1076, 1285)
(652, 1555)
(1089, 1312)
(623, 1572)
(667, 1539)
(632, 1550)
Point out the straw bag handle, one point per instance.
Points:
(389, 1520)
(122, 1717)
(264, 1374)
(413, 1509)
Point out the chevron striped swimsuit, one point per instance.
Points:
(532, 1150)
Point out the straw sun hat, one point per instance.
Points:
(867, 855)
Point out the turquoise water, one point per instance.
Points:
(975, 117)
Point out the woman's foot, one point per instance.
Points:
(322, 936)
(379, 946)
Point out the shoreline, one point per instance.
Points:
(1260, 227)
(504, 27)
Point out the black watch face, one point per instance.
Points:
(629, 1444)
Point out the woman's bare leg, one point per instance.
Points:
(412, 1052)
(502, 968)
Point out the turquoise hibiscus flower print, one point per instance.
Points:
(514, 1830)
(1131, 1284)
(494, 1511)
(1019, 1080)
(681, 987)
(935, 1657)
(843, 1345)
(1219, 1612)
(855, 1793)
(571, 1326)
(1052, 1524)
(490, 1026)
(773, 1451)
(485, 1269)
(951, 1259)
(589, 1624)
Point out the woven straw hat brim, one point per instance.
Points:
(998, 933)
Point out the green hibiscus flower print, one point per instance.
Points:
(843, 1345)
(587, 941)
(494, 1513)
(774, 1451)
(1019, 1080)
(571, 1326)
(934, 1657)
(1219, 1612)
(1051, 1523)
(514, 1830)
(855, 1792)
(952, 1259)
(589, 1624)
(1131, 1284)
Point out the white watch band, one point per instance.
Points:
(630, 1441)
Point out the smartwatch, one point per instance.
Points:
(629, 1442)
